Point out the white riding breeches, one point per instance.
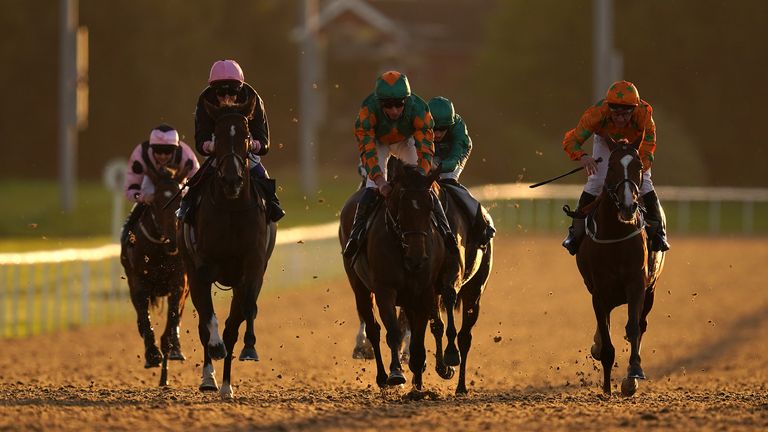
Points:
(453, 174)
(403, 150)
(596, 181)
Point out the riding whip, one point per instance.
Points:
(598, 160)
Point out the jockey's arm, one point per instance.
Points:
(259, 127)
(460, 147)
(424, 140)
(204, 127)
(365, 135)
(648, 144)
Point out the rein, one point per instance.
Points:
(159, 241)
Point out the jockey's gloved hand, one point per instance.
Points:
(589, 164)
(208, 147)
(384, 187)
(254, 146)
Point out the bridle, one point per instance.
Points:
(393, 223)
(160, 238)
(231, 154)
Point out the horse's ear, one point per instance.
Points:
(211, 109)
(636, 143)
(434, 175)
(182, 173)
(246, 108)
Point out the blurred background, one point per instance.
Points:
(520, 72)
(85, 81)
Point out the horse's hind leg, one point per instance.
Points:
(470, 305)
(437, 327)
(140, 298)
(452, 356)
(364, 303)
(363, 347)
(607, 352)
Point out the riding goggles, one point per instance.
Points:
(620, 109)
(227, 88)
(392, 103)
(163, 149)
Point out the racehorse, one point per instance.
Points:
(229, 244)
(401, 264)
(616, 263)
(154, 268)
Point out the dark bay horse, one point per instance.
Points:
(403, 264)
(230, 244)
(616, 264)
(154, 268)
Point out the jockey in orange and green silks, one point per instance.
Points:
(392, 122)
(620, 115)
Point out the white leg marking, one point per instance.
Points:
(226, 391)
(213, 330)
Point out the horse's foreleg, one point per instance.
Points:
(418, 355)
(364, 303)
(249, 310)
(405, 336)
(607, 352)
(201, 299)
(230, 338)
(140, 298)
(388, 315)
(635, 307)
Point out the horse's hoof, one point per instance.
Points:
(635, 372)
(452, 357)
(461, 390)
(217, 352)
(595, 351)
(364, 352)
(152, 357)
(628, 386)
(381, 380)
(209, 384)
(395, 378)
(176, 354)
(227, 393)
(249, 353)
(446, 373)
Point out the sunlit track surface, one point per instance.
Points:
(704, 354)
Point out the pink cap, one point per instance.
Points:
(226, 70)
(170, 137)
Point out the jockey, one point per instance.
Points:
(621, 115)
(163, 148)
(227, 87)
(392, 121)
(452, 149)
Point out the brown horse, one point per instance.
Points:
(401, 264)
(154, 268)
(230, 244)
(616, 264)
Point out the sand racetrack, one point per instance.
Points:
(705, 355)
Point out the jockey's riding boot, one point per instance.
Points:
(576, 230)
(487, 230)
(130, 222)
(442, 223)
(275, 212)
(656, 228)
(363, 212)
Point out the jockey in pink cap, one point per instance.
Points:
(227, 87)
(162, 149)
